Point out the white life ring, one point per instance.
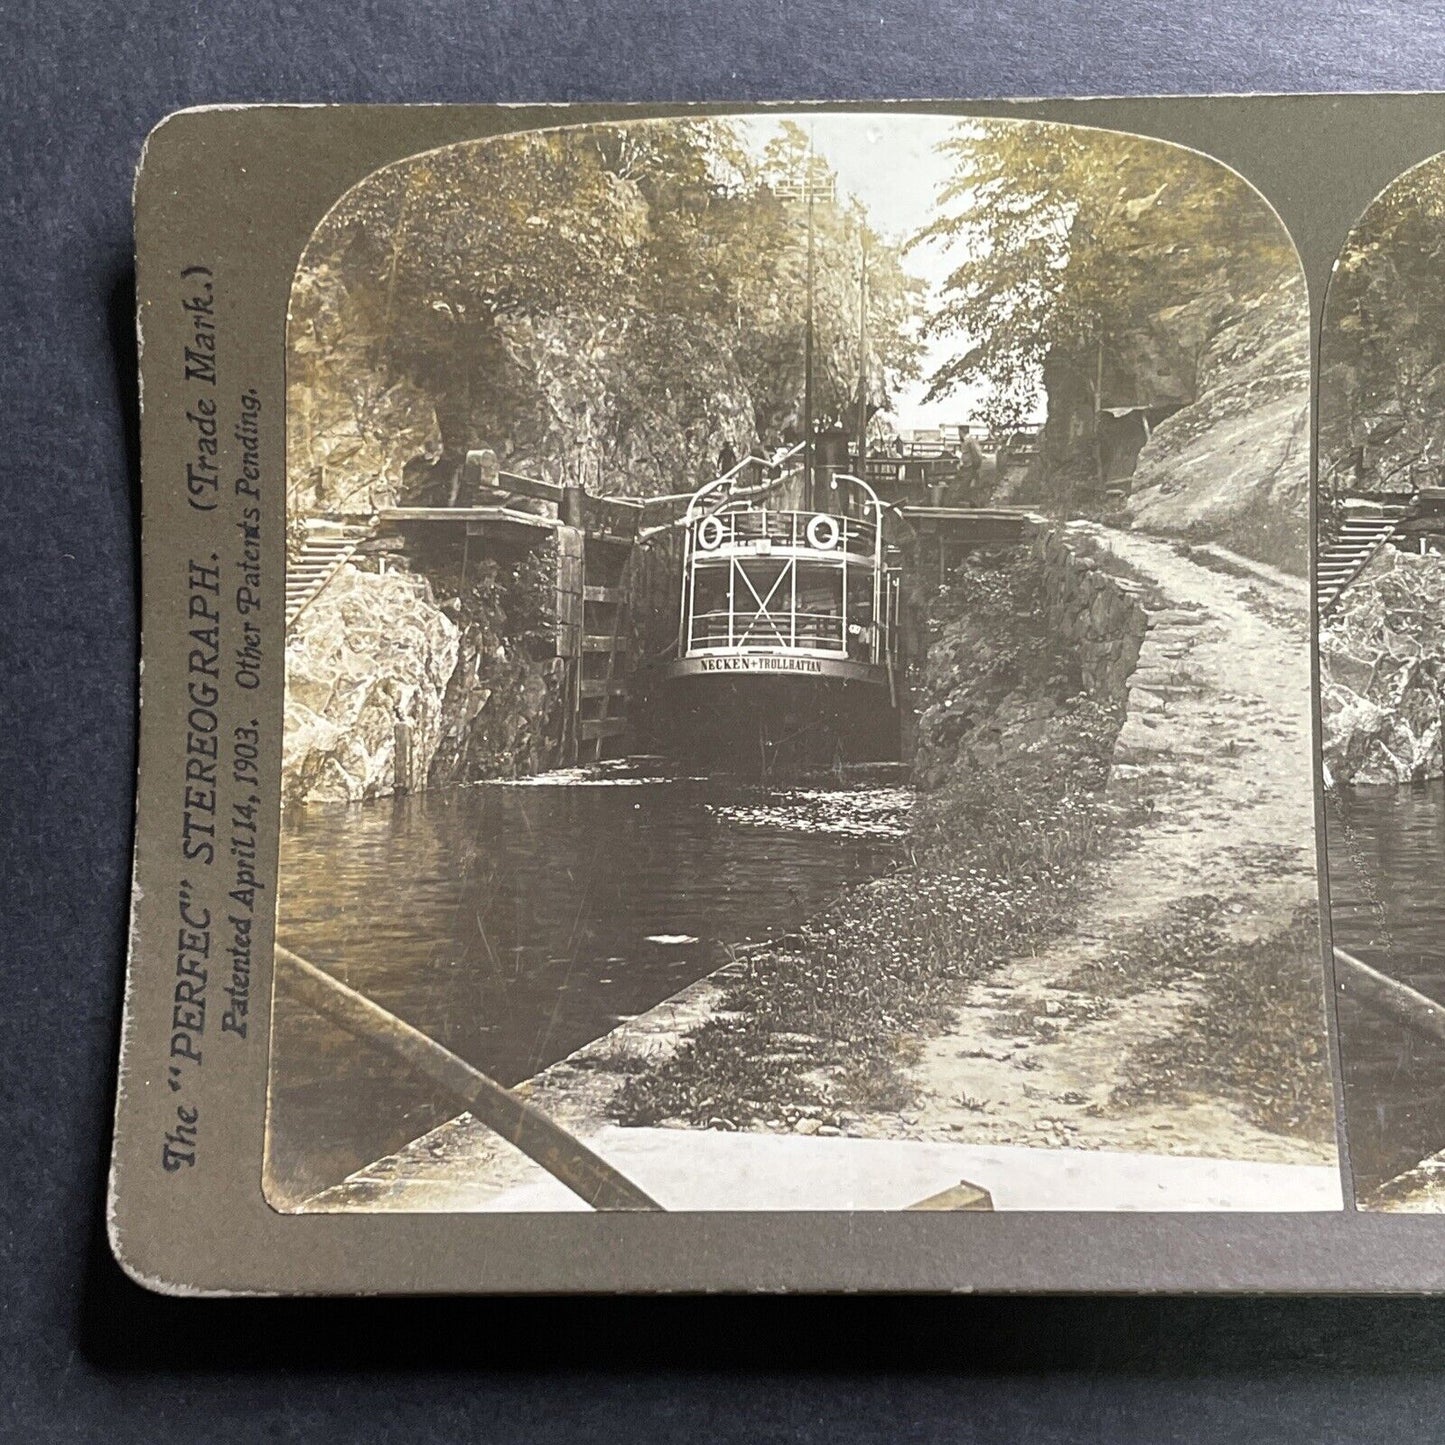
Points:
(709, 534)
(823, 533)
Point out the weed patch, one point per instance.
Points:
(1263, 531)
(1257, 1036)
(1166, 949)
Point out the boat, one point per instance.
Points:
(788, 638)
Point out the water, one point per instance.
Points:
(516, 922)
(1387, 901)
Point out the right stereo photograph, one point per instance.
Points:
(1380, 583)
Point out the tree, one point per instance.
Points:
(617, 304)
(450, 243)
(1068, 239)
(1382, 347)
(767, 259)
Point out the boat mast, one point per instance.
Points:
(808, 483)
(863, 353)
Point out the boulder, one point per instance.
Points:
(1382, 673)
(371, 649)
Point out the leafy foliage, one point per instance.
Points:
(1383, 343)
(612, 304)
(1069, 238)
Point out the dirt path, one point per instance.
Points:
(1218, 744)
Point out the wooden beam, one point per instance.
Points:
(1382, 994)
(519, 1123)
(602, 594)
(534, 487)
(590, 729)
(603, 642)
(601, 688)
(402, 516)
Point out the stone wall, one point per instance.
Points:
(1096, 613)
(1382, 673)
(1028, 661)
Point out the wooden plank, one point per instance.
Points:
(465, 514)
(602, 594)
(1388, 996)
(602, 642)
(591, 729)
(521, 486)
(570, 545)
(521, 1124)
(525, 527)
(600, 688)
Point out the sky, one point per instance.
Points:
(890, 164)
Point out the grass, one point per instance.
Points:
(1159, 952)
(1257, 1036)
(1045, 1021)
(995, 864)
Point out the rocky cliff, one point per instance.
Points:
(1382, 344)
(464, 666)
(1382, 673)
(371, 649)
(1238, 452)
(569, 397)
(503, 707)
(636, 404)
(351, 430)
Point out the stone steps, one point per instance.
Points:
(1362, 534)
(325, 552)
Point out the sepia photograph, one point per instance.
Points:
(798, 677)
(1381, 585)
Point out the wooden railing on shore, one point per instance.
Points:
(1384, 995)
(521, 1124)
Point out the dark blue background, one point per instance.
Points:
(87, 1355)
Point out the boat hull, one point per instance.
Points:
(776, 723)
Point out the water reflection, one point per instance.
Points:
(515, 923)
(1387, 906)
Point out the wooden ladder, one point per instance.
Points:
(602, 692)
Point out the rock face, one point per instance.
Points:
(581, 400)
(1382, 422)
(1382, 673)
(568, 397)
(1242, 443)
(370, 649)
(1029, 661)
(453, 663)
(502, 714)
(350, 431)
